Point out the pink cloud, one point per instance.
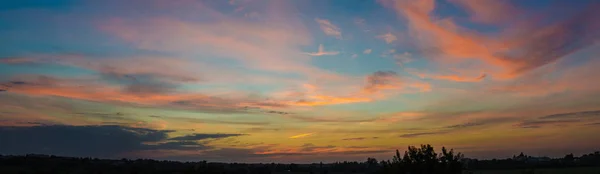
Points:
(329, 29)
(271, 45)
(322, 52)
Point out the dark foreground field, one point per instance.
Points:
(576, 170)
(416, 160)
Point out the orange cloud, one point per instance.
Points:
(455, 78)
(301, 135)
(89, 90)
(329, 100)
(536, 46)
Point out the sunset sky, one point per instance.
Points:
(298, 81)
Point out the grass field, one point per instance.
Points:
(580, 170)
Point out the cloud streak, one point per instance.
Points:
(359, 138)
(196, 137)
(301, 135)
(328, 28)
(322, 52)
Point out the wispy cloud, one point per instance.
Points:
(359, 138)
(367, 51)
(413, 135)
(388, 37)
(562, 119)
(465, 125)
(301, 135)
(328, 28)
(196, 137)
(322, 52)
(92, 90)
(542, 123)
(359, 21)
(489, 11)
(573, 115)
(316, 119)
(448, 77)
(403, 58)
(593, 124)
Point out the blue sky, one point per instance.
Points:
(265, 79)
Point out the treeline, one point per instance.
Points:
(423, 160)
(523, 161)
(415, 160)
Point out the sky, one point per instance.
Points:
(298, 81)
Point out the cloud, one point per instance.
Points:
(489, 11)
(215, 121)
(162, 69)
(465, 125)
(118, 116)
(448, 76)
(359, 21)
(381, 80)
(413, 135)
(459, 78)
(400, 116)
(278, 112)
(86, 141)
(92, 90)
(326, 119)
(562, 119)
(593, 124)
(556, 41)
(309, 147)
(328, 28)
(542, 123)
(318, 100)
(359, 138)
(17, 60)
(531, 45)
(573, 115)
(196, 137)
(301, 135)
(388, 37)
(354, 56)
(367, 51)
(322, 52)
(403, 58)
(458, 127)
(269, 44)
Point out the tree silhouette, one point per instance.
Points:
(424, 160)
